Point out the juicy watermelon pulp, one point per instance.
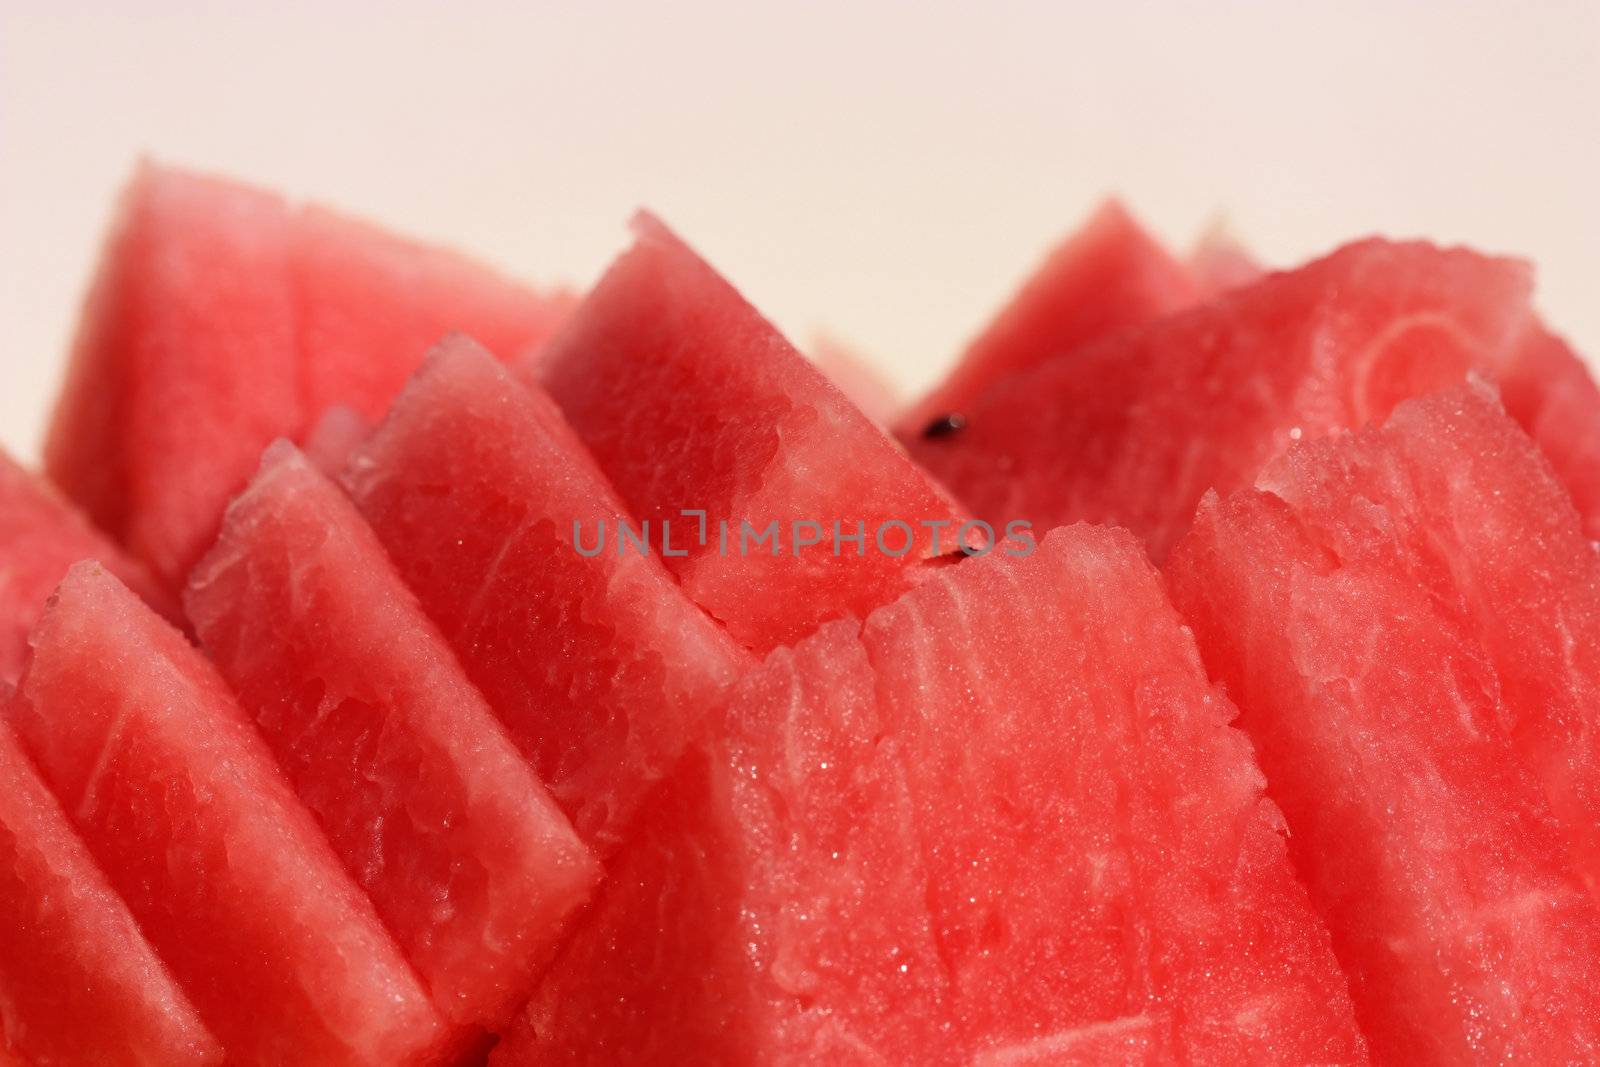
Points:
(1108, 276)
(226, 873)
(454, 766)
(691, 402)
(1133, 430)
(222, 318)
(41, 535)
(1437, 792)
(78, 981)
(598, 666)
(917, 841)
(462, 851)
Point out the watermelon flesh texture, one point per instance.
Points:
(1453, 495)
(184, 366)
(222, 318)
(599, 667)
(924, 840)
(1376, 711)
(690, 400)
(78, 982)
(432, 808)
(1550, 392)
(372, 304)
(41, 535)
(1106, 277)
(227, 874)
(1134, 430)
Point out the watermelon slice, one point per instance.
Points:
(221, 319)
(78, 982)
(227, 874)
(1550, 392)
(1106, 277)
(429, 804)
(598, 666)
(1357, 612)
(41, 535)
(919, 841)
(371, 304)
(693, 403)
(1134, 430)
(1455, 497)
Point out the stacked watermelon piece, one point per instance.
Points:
(412, 668)
(223, 317)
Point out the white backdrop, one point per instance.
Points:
(886, 171)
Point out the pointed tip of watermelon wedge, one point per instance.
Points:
(1108, 274)
(647, 225)
(88, 579)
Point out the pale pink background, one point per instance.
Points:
(884, 170)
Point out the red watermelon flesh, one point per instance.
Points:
(598, 666)
(78, 982)
(690, 400)
(929, 840)
(222, 318)
(429, 804)
(41, 535)
(1550, 392)
(1427, 845)
(1220, 263)
(371, 304)
(1108, 276)
(185, 365)
(226, 872)
(1453, 495)
(1134, 430)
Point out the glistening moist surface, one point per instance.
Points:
(1133, 430)
(1366, 655)
(78, 981)
(1005, 820)
(689, 400)
(222, 317)
(1454, 496)
(429, 804)
(182, 805)
(599, 667)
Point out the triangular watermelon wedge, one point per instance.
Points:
(78, 981)
(1106, 277)
(1406, 621)
(1003, 821)
(1453, 495)
(227, 874)
(221, 318)
(430, 805)
(41, 535)
(597, 664)
(1135, 429)
(708, 421)
(1548, 389)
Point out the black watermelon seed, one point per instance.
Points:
(945, 426)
